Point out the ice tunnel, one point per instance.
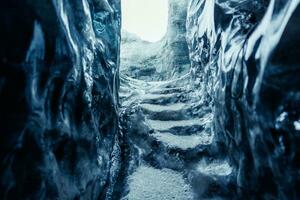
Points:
(149, 99)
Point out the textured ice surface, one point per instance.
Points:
(58, 99)
(151, 184)
(245, 57)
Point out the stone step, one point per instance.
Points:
(160, 125)
(163, 108)
(149, 183)
(169, 90)
(186, 112)
(151, 96)
(162, 99)
(184, 142)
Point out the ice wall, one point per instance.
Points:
(176, 57)
(58, 98)
(245, 64)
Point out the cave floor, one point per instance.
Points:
(173, 151)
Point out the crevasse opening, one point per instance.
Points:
(148, 19)
(153, 45)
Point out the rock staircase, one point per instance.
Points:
(171, 138)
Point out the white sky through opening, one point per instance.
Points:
(146, 18)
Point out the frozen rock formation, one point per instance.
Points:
(58, 99)
(162, 60)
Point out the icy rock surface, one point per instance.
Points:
(160, 60)
(58, 98)
(229, 127)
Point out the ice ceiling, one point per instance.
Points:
(146, 18)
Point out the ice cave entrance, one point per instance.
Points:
(144, 26)
(153, 45)
(145, 18)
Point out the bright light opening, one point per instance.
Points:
(146, 18)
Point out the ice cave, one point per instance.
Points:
(149, 99)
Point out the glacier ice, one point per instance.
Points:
(209, 112)
(58, 99)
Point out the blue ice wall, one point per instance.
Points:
(245, 61)
(58, 98)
